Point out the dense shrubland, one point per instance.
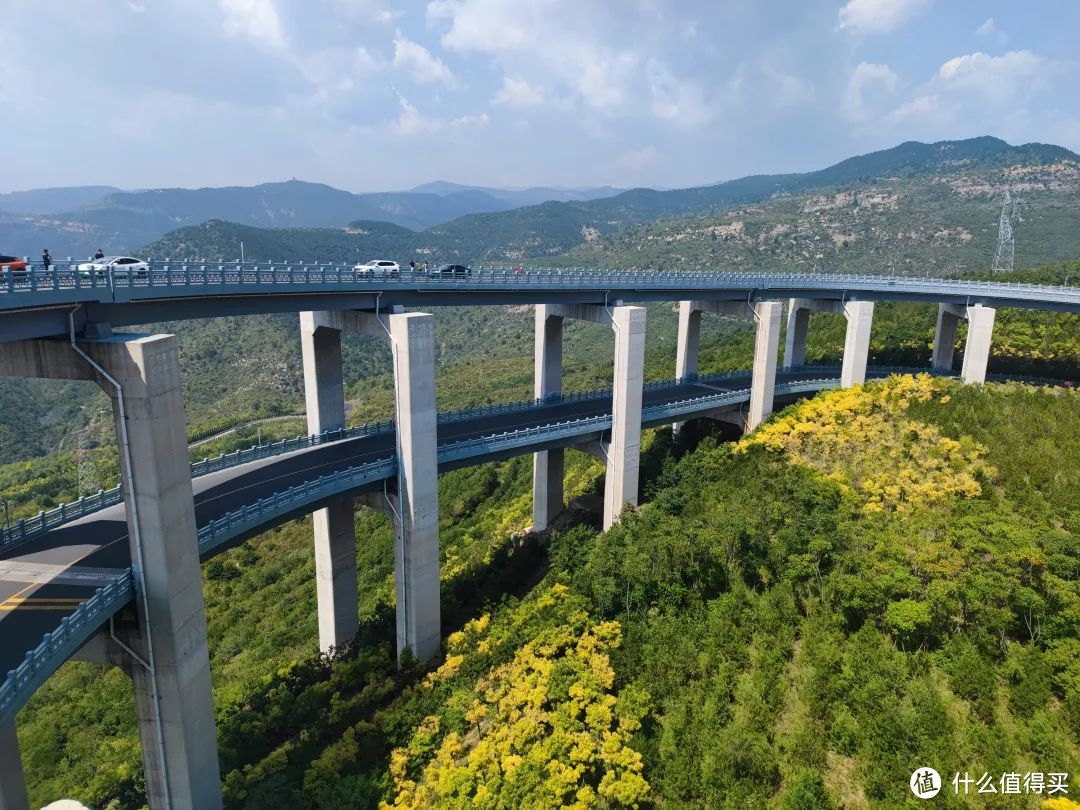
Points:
(753, 635)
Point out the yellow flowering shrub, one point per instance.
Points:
(862, 438)
(545, 729)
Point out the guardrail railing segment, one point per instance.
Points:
(76, 628)
(117, 285)
(59, 645)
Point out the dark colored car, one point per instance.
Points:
(12, 263)
(451, 270)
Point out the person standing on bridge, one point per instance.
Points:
(46, 259)
(100, 254)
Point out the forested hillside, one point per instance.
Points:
(874, 579)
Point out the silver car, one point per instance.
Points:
(135, 268)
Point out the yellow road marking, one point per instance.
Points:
(34, 607)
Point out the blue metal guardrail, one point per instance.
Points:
(26, 528)
(75, 629)
(59, 645)
(235, 277)
(42, 522)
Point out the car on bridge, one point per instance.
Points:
(452, 270)
(14, 265)
(116, 265)
(377, 266)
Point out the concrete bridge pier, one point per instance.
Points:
(334, 526)
(767, 338)
(173, 701)
(623, 450)
(12, 780)
(860, 320)
(416, 555)
(548, 465)
(415, 506)
(766, 343)
(977, 348)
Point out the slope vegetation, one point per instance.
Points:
(776, 625)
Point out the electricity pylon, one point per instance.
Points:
(1006, 247)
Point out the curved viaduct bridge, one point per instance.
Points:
(115, 578)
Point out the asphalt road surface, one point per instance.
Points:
(47, 577)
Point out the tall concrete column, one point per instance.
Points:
(334, 526)
(860, 318)
(416, 556)
(766, 343)
(624, 450)
(948, 321)
(977, 349)
(12, 781)
(548, 465)
(686, 353)
(173, 700)
(798, 325)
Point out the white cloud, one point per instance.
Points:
(679, 100)
(417, 61)
(867, 79)
(518, 94)
(878, 16)
(554, 38)
(977, 90)
(638, 159)
(995, 78)
(481, 120)
(255, 19)
(987, 28)
(411, 121)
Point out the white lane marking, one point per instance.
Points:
(41, 573)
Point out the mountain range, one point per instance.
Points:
(75, 221)
(507, 221)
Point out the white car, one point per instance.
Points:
(114, 264)
(377, 265)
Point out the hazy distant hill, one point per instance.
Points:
(121, 221)
(53, 200)
(77, 221)
(125, 220)
(517, 197)
(909, 209)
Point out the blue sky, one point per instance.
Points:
(373, 94)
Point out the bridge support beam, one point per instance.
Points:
(416, 557)
(767, 314)
(977, 349)
(766, 343)
(173, 701)
(334, 526)
(12, 780)
(548, 465)
(623, 450)
(860, 320)
(948, 322)
(172, 696)
(798, 327)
